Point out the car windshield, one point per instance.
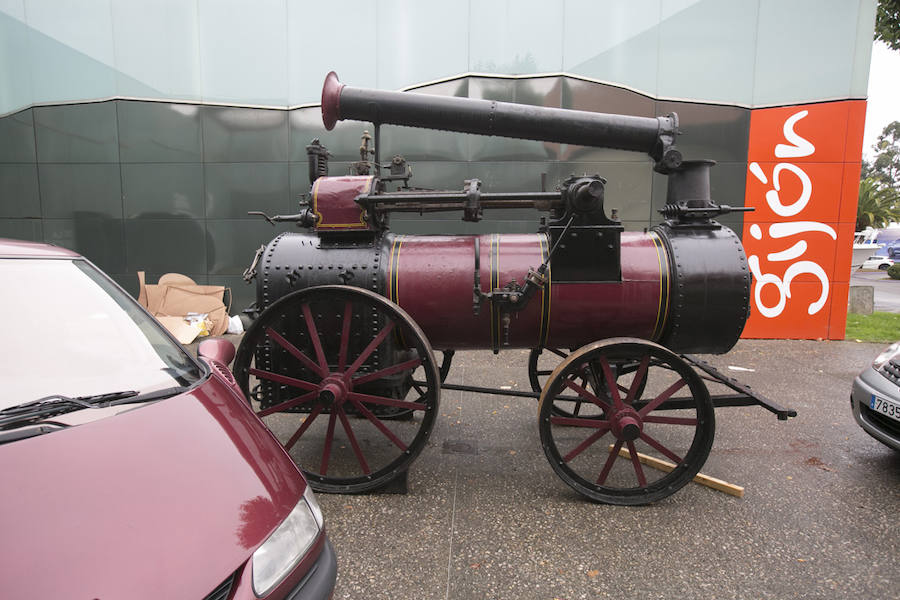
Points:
(68, 330)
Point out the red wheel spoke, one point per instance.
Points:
(586, 394)
(306, 423)
(638, 469)
(398, 368)
(638, 379)
(377, 423)
(369, 399)
(611, 383)
(287, 404)
(295, 352)
(610, 461)
(329, 438)
(671, 420)
(314, 336)
(291, 381)
(579, 422)
(345, 336)
(369, 349)
(353, 443)
(653, 404)
(661, 448)
(585, 444)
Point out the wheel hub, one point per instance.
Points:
(627, 425)
(332, 392)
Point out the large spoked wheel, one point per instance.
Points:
(330, 368)
(658, 408)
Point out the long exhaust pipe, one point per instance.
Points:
(654, 136)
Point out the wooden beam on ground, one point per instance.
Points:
(662, 465)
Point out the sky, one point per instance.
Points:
(884, 94)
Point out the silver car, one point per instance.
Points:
(876, 398)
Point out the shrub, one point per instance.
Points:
(894, 271)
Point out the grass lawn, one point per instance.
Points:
(877, 327)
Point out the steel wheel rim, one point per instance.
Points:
(683, 437)
(340, 441)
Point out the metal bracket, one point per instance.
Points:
(472, 208)
(744, 390)
(250, 272)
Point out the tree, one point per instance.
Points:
(879, 204)
(885, 167)
(887, 23)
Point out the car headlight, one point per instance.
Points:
(892, 351)
(287, 545)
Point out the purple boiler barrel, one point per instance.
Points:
(431, 277)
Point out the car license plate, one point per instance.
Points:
(886, 407)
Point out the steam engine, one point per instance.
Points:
(684, 284)
(350, 312)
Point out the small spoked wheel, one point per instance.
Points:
(331, 368)
(651, 404)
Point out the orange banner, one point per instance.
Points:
(803, 176)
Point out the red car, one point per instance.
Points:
(129, 468)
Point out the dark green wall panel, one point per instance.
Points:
(232, 242)
(22, 229)
(77, 133)
(163, 191)
(440, 175)
(509, 176)
(159, 132)
(244, 134)
(17, 138)
(70, 188)
(232, 189)
(163, 246)
(720, 133)
(416, 144)
(19, 195)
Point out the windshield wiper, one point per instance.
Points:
(38, 428)
(59, 404)
(61, 399)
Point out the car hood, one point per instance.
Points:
(164, 501)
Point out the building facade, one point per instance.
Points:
(140, 134)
